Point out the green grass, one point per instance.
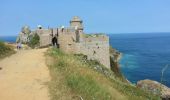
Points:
(73, 77)
(5, 50)
(87, 87)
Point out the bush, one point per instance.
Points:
(34, 41)
(5, 50)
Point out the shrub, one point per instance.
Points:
(34, 41)
(5, 50)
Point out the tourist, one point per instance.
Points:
(19, 45)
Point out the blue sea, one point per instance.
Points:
(11, 39)
(144, 55)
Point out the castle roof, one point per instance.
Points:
(76, 19)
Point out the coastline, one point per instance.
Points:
(117, 55)
(149, 85)
(8, 39)
(136, 63)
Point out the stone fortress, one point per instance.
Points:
(72, 39)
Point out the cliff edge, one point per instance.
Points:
(74, 77)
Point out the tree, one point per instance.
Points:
(34, 41)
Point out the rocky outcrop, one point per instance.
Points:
(97, 66)
(114, 61)
(155, 87)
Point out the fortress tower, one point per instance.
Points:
(77, 24)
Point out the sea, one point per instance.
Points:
(11, 39)
(144, 55)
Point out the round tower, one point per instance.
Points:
(77, 23)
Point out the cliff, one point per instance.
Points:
(115, 56)
(151, 86)
(74, 77)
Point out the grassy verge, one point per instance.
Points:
(5, 50)
(73, 79)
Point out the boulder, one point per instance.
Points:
(154, 87)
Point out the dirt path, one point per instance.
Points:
(23, 76)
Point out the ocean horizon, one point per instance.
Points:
(11, 39)
(144, 55)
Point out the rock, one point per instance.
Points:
(154, 87)
(0, 68)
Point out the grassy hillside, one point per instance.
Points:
(5, 50)
(73, 78)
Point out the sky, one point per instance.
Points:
(105, 16)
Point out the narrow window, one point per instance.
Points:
(94, 52)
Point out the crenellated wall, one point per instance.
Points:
(73, 40)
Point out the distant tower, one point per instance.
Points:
(77, 24)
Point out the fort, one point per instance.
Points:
(72, 39)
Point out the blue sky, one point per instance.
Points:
(107, 16)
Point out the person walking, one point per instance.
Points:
(19, 45)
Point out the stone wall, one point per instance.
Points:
(96, 49)
(66, 40)
(45, 36)
(73, 40)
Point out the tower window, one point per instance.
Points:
(94, 52)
